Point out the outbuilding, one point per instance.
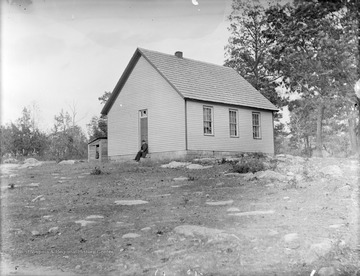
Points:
(183, 107)
(97, 149)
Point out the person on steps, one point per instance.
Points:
(142, 152)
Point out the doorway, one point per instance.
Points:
(143, 114)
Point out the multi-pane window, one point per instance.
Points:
(208, 120)
(256, 125)
(233, 126)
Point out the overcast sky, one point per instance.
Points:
(61, 54)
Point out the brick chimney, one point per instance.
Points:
(179, 54)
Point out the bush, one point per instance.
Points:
(251, 164)
(96, 171)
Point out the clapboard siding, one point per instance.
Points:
(146, 89)
(221, 140)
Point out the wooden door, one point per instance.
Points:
(143, 125)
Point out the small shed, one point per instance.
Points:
(98, 149)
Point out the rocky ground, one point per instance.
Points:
(295, 217)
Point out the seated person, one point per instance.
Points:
(142, 152)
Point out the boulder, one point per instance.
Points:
(220, 203)
(248, 176)
(67, 162)
(85, 222)
(95, 217)
(197, 167)
(292, 241)
(327, 271)
(31, 161)
(183, 178)
(318, 250)
(130, 236)
(53, 230)
(193, 230)
(175, 164)
(130, 202)
(332, 170)
(10, 161)
(270, 175)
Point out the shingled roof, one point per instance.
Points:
(197, 80)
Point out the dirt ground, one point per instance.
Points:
(63, 220)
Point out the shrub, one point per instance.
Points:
(96, 171)
(246, 165)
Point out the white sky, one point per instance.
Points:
(57, 54)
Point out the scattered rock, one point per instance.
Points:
(206, 160)
(233, 209)
(10, 161)
(67, 162)
(231, 159)
(35, 233)
(85, 222)
(248, 176)
(174, 164)
(220, 203)
(231, 174)
(197, 167)
(180, 178)
(130, 202)
(271, 175)
(292, 241)
(94, 217)
(31, 161)
(332, 170)
(290, 174)
(252, 213)
(318, 250)
(33, 185)
(130, 236)
(327, 271)
(336, 226)
(53, 230)
(192, 230)
(37, 198)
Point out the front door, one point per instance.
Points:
(143, 125)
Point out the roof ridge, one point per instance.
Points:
(185, 58)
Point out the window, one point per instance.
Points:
(208, 120)
(233, 126)
(256, 125)
(143, 113)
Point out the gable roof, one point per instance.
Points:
(197, 80)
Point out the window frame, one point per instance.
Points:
(143, 113)
(258, 126)
(232, 123)
(211, 108)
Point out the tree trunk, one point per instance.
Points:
(352, 134)
(320, 116)
(358, 128)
